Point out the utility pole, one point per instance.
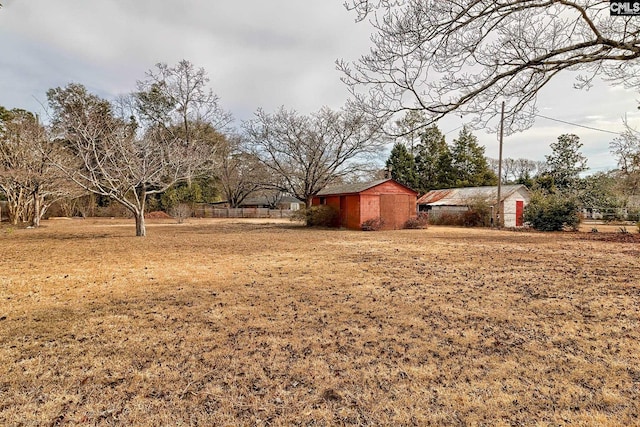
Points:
(498, 211)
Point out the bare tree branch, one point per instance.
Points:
(145, 142)
(241, 174)
(28, 178)
(465, 56)
(306, 153)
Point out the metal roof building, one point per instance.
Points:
(451, 200)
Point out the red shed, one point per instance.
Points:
(386, 199)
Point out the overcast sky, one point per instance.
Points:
(258, 54)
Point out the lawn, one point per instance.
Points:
(234, 323)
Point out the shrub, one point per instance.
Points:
(299, 215)
(552, 213)
(633, 215)
(181, 212)
(472, 219)
(469, 218)
(373, 224)
(323, 216)
(479, 213)
(421, 221)
(446, 218)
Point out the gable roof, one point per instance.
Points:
(461, 196)
(357, 187)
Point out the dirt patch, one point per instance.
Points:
(620, 237)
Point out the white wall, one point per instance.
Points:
(509, 208)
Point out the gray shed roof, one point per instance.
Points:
(357, 187)
(461, 196)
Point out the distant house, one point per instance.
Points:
(457, 200)
(385, 199)
(284, 202)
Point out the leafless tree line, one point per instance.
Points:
(28, 176)
(142, 143)
(518, 170)
(171, 130)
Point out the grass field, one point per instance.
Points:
(255, 323)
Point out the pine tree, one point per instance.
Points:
(402, 166)
(566, 161)
(469, 162)
(433, 161)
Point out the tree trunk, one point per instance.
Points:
(308, 202)
(14, 212)
(35, 220)
(141, 230)
(13, 217)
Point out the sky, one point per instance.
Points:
(258, 54)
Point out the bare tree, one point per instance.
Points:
(515, 170)
(124, 152)
(626, 149)
(509, 170)
(273, 197)
(177, 101)
(466, 56)
(526, 169)
(240, 173)
(306, 153)
(27, 176)
(406, 127)
(14, 153)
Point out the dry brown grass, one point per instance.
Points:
(252, 323)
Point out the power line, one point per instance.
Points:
(453, 130)
(560, 121)
(577, 125)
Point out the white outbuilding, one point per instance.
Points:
(513, 199)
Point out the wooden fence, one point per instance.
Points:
(203, 211)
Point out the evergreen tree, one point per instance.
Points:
(552, 212)
(566, 162)
(469, 162)
(402, 166)
(433, 161)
